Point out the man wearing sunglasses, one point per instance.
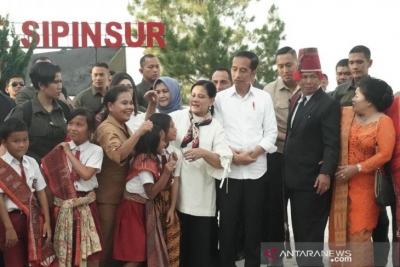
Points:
(14, 85)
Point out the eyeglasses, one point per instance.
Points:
(16, 84)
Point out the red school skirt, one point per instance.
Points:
(130, 232)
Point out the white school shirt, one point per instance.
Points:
(197, 186)
(32, 172)
(136, 184)
(178, 166)
(91, 156)
(248, 121)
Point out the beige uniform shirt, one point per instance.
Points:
(110, 135)
(281, 96)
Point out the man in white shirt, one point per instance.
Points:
(248, 118)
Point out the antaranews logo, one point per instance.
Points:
(334, 255)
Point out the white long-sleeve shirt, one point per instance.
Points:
(248, 122)
(197, 179)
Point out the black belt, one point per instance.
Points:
(16, 212)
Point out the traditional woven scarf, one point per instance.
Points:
(63, 235)
(40, 252)
(193, 131)
(339, 207)
(157, 253)
(70, 208)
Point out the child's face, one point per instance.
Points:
(78, 130)
(17, 144)
(171, 135)
(161, 145)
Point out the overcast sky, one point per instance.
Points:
(333, 26)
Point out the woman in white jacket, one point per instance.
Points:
(206, 156)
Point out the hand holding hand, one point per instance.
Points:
(243, 157)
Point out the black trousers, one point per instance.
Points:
(309, 218)
(195, 246)
(273, 230)
(381, 240)
(244, 198)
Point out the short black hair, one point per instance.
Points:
(148, 143)
(100, 65)
(117, 78)
(326, 76)
(376, 91)
(43, 73)
(342, 63)
(286, 50)
(226, 70)
(250, 55)
(210, 88)
(88, 114)
(40, 59)
(12, 77)
(361, 49)
(161, 119)
(143, 59)
(10, 126)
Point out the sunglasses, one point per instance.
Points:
(16, 84)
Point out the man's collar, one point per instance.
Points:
(251, 91)
(147, 84)
(282, 86)
(95, 92)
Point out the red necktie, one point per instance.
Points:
(163, 161)
(22, 171)
(74, 175)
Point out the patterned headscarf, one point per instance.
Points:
(175, 96)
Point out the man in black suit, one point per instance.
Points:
(311, 156)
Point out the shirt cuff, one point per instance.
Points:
(268, 146)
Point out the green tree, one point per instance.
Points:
(13, 60)
(202, 35)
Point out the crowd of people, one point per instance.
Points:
(124, 175)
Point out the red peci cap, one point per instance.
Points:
(308, 62)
